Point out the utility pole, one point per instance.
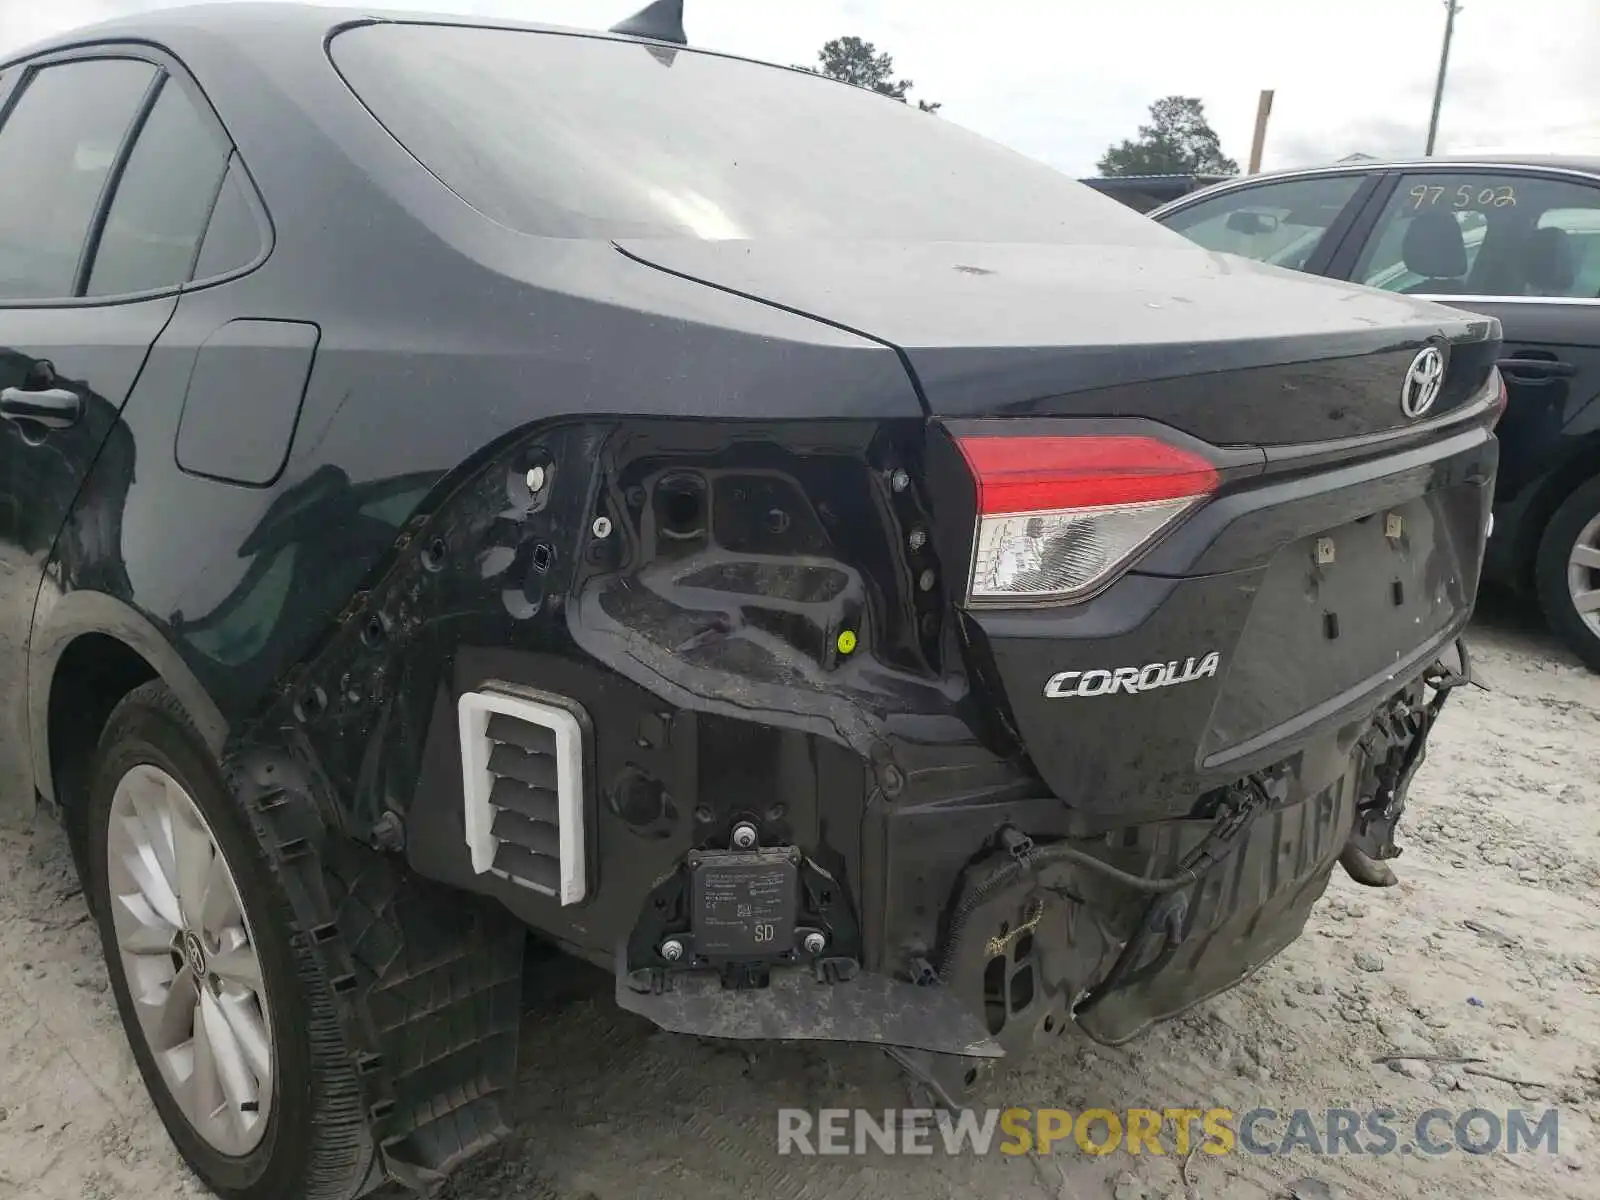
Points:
(1452, 8)
(1263, 111)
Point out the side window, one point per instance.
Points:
(57, 148)
(233, 239)
(1486, 234)
(162, 202)
(1277, 223)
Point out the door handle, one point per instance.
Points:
(1540, 368)
(53, 408)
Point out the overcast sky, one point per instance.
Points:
(1062, 79)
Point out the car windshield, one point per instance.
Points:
(566, 135)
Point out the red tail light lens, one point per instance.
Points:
(1058, 516)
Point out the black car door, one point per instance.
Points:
(103, 198)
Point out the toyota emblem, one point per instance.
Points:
(1423, 383)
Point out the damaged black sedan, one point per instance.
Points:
(843, 577)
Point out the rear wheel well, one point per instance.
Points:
(92, 676)
(1550, 494)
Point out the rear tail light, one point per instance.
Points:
(1058, 517)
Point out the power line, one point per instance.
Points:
(1451, 9)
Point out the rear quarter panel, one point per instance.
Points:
(441, 335)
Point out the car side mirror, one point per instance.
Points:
(1252, 223)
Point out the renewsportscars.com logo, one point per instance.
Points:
(1217, 1131)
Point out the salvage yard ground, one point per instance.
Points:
(1489, 950)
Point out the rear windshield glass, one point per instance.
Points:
(587, 137)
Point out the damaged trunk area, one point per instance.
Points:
(722, 707)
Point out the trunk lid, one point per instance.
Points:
(1221, 348)
(1337, 547)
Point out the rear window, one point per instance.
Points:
(586, 137)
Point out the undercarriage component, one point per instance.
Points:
(1045, 935)
(948, 1078)
(802, 1004)
(1394, 748)
(763, 943)
(1368, 872)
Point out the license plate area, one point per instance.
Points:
(743, 904)
(1371, 589)
(1342, 607)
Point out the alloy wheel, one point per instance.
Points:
(190, 959)
(1583, 575)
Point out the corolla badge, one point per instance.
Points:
(1423, 383)
(1104, 681)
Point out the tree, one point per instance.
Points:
(858, 62)
(1178, 141)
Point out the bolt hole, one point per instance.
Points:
(434, 555)
(543, 554)
(310, 705)
(971, 1077)
(375, 631)
(1049, 1024)
(680, 503)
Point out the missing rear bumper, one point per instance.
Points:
(1110, 933)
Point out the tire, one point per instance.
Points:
(308, 1135)
(1576, 521)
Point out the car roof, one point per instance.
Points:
(1582, 164)
(237, 20)
(1566, 162)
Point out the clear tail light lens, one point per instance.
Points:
(1058, 517)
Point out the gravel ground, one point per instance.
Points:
(1488, 950)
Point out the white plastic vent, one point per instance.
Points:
(522, 779)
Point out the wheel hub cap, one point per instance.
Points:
(195, 955)
(190, 960)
